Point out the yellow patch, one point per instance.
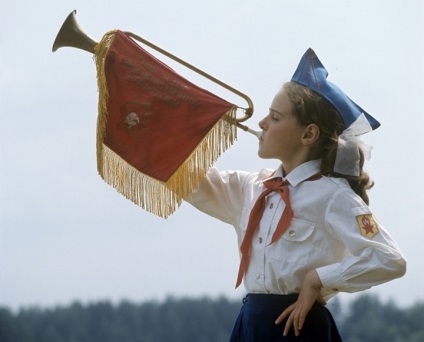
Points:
(367, 225)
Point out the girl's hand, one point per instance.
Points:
(310, 292)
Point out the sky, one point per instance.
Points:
(66, 235)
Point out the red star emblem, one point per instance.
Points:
(367, 225)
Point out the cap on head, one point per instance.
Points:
(312, 74)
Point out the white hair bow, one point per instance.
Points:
(347, 158)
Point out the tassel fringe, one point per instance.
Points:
(100, 53)
(161, 198)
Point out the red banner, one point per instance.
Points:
(158, 133)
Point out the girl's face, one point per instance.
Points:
(283, 137)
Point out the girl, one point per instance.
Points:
(305, 230)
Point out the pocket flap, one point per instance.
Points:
(299, 230)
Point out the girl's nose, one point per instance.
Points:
(262, 124)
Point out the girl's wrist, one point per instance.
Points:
(313, 279)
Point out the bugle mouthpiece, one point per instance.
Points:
(251, 131)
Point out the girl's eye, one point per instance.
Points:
(274, 117)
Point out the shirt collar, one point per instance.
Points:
(300, 173)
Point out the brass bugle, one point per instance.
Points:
(71, 35)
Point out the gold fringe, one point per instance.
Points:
(159, 198)
(100, 52)
(146, 192)
(163, 198)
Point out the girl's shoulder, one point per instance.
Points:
(260, 176)
(335, 182)
(233, 177)
(255, 178)
(265, 173)
(339, 190)
(331, 187)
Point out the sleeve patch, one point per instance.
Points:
(367, 225)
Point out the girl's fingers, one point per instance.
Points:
(284, 314)
(289, 323)
(300, 323)
(296, 319)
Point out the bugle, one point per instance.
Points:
(71, 35)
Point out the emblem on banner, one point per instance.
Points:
(367, 225)
(136, 114)
(132, 120)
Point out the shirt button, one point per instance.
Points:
(271, 206)
(260, 240)
(292, 232)
(257, 276)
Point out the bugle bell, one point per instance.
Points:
(71, 35)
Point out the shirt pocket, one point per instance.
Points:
(295, 245)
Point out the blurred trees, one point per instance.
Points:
(200, 320)
(193, 320)
(370, 320)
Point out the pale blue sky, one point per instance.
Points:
(66, 235)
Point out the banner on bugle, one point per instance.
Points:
(157, 133)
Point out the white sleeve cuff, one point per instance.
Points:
(330, 278)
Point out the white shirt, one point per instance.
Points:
(324, 234)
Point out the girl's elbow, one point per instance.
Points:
(399, 267)
(402, 268)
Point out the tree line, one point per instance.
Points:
(366, 319)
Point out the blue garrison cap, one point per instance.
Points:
(312, 74)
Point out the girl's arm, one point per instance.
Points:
(220, 194)
(374, 256)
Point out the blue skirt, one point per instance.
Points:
(255, 322)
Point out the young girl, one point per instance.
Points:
(305, 230)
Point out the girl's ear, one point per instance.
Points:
(311, 134)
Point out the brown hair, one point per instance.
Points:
(311, 108)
